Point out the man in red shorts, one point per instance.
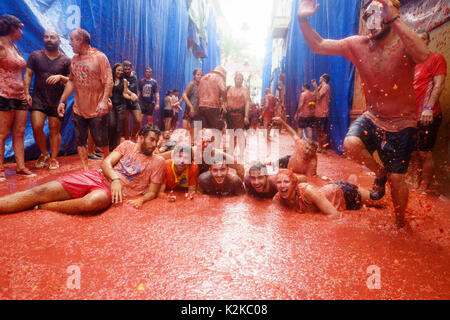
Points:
(385, 59)
(429, 83)
(131, 170)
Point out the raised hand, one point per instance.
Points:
(307, 8)
(389, 10)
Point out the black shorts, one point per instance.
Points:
(427, 135)
(168, 113)
(307, 122)
(351, 194)
(48, 111)
(131, 106)
(235, 119)
(12, 104)
(147, 108)
(320, 123)
(211, 118)
(394, 148)
(98, 127)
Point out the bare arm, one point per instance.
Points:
(27, 84)
(289, 129)
(315, 41)
(125, 93)
(68, 90)
(439, 84)
(116, 185)
(313, 195)
(311, 170)
(152, 193)
(415, 46)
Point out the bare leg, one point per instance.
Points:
(55, 135)
(6, 121)
(415, 169)
(91, 144)
(137, 120)
(427, 169)
(83, 152)
(20, 201)
(300, 132)
(399, 193)
(358, 152)
(93, 202)
(18, 132)
(37, 122)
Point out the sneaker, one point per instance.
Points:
(54, 164)
(95, 157)
(25, 172)
(41, 161)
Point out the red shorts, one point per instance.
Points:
(80, 184)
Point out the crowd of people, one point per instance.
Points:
(144, 163)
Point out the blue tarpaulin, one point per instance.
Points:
(334, 20)
(150, 33)
(267, 68)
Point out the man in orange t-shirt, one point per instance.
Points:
(180, 172)
(91, 79)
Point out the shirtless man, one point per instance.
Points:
(212, 99)
(51, 69)
(91, 78)
(303, 161)
(258, 183)
(238, 99)
(129, 171)
(385, 60)
(305, 111)
(322, 111)
(219, 182)
(269, 107)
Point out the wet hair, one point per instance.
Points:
(175, 90)
(307, 86)
(168, 93)
(85, 36)
(289, 173)
(149, 128)
(8, 23)
(127, 63)
(238, 74)
(195, 71)
(426, 32)
(312, 143)
(326, 77)
(258, 166)
(218, 160)
(114, 69)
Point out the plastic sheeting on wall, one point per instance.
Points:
(213, 58)
(146, 32)
(302, 65)
(267, 68)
